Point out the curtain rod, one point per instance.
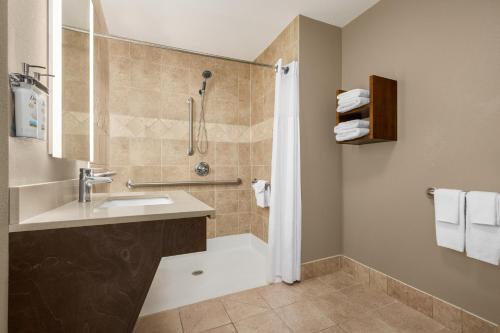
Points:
(166, 47)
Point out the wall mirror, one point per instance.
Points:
(77, 127)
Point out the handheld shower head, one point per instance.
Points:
(206, 75)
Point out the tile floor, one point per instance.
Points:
(334, 303)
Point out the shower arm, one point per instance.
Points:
(190, 151)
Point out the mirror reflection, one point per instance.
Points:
(75, 79)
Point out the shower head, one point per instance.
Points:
(206, 75)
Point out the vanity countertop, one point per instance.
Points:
(75, 214)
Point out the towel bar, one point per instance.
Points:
(131, 184)
(430, 192)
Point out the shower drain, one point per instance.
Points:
(196, 273)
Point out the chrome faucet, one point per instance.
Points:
(89, 177)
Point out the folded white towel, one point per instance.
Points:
(354, 93)
(482, 242)
(482, 208)
(262, 193)
(446, 205)
(348, 101)
(450, 218)
(354, 103)
(347, 125)
(352, 134)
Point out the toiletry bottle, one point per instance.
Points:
(26, 110)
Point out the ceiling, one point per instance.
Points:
(233, 28)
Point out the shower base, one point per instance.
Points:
(230, 264)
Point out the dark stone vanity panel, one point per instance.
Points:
(90, 279)
(184, 236)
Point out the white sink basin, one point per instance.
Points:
(134, 202)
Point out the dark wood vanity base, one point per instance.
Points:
(91, 279)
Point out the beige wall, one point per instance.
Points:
(285, 46)
(320, 75)
(4, 169)
(27, 42)
(445, 55)
(149, 88)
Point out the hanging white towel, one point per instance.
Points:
(352, 134)
(482, 208)
(354, 93)
(449, 208)
(356, 102)
(347, 125)
(446, 205)
(262, 195)
(482, 242)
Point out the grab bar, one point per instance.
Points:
(190, 110)
(131, 184)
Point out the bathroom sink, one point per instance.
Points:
(134, 202)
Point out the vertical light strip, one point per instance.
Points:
(91, 81)
(55, 68)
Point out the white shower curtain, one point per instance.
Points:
(285, 216)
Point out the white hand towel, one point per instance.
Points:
(347, 125)
(354, 103)
(450, 205)
(482, 208)
(352, 134)
(482, 242)
(446, 205)
(354, 93)
(262, 195)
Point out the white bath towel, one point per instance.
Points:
(352, 134)
(348, 125)
(354, 103)
(449, 206)
(262, 193)
(482, 208)
(482, 242)
(354, 93)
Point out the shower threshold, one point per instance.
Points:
(230, 264)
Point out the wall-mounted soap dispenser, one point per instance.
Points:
(30, 105)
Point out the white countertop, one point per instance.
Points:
(75, 214)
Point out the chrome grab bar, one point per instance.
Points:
(131, 184)
(190, 151)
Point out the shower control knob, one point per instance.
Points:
(202, 169)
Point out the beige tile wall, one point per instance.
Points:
(75, 102)
(101, 101)
(148, 91)
(75, 96)
(285, 46)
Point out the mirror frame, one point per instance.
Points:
(55, 84)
